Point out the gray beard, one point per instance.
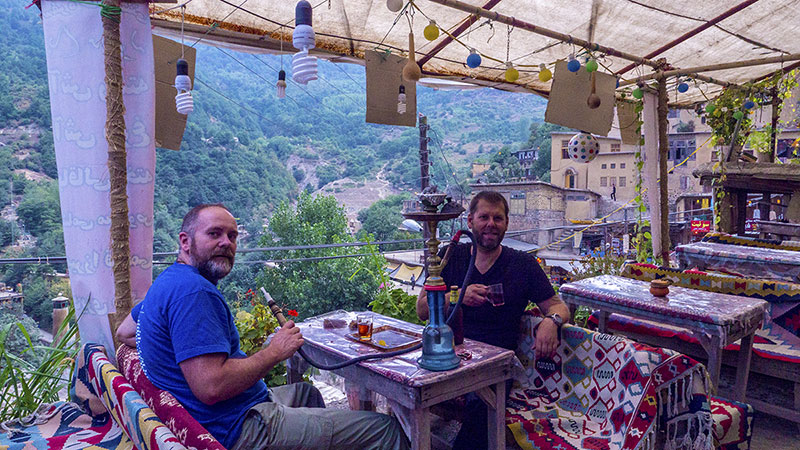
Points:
(215, 269)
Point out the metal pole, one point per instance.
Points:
(423, 152)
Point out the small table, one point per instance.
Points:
(716, 320)
(783, 230)
(411, 390)
(753, 262)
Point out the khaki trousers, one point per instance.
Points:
(296, 418)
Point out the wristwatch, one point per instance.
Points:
(556, 319)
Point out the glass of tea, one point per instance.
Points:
(495, 295)
(364, 322)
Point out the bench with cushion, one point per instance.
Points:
(607, 392)
(105, 413)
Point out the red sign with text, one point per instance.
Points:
(700, 227)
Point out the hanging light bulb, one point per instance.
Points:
(411, 71)
(394, 5)
(431, 31)
(474, 59)
(512, 74)
(401, 100)
(281, 84)
(573, 65)
(544, 73)
(183, 101)
(304, 66)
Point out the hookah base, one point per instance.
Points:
(440, 362)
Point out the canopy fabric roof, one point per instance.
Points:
(345, 29)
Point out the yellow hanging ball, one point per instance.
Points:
(431, 32)
(544, 74)
(512, 74)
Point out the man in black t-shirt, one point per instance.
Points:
(523, 282)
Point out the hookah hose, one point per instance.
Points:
(278, 313)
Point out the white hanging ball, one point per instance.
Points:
(583, 147)
(394, 5)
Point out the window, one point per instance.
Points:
(517, 203)
(673, 114)
(570, 178)
(613, 181)
(613, 166)
(621, 165)
(615, 147)
(565, 149)
(684, 182)
(603, 181)
(602, 166)
(679, 149)
(622, 182)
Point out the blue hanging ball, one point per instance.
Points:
(573, 65)
(617, 82)
(683, 87)
(473, 60)
(749, 104)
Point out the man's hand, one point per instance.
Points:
(546, 339)
(286, 341)
(476, 295)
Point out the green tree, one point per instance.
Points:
(40, 210)
(383, 217)
(318, 286)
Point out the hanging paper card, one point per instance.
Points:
(567, 105)
(627, 116)
(384, 78)
(170, 124)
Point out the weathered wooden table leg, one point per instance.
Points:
(602, 321)
(714, 350)
(743, 369)
(495, 399)
(358, 397)
(416, 423)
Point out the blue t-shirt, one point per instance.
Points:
(182, 316)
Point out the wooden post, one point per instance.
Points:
(117, 167)
(773, 136)
(663, 151)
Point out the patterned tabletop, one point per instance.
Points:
(767, 263)
(403, 368)
(681, 303)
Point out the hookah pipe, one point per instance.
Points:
(277, 312)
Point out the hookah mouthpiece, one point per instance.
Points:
(274, 308)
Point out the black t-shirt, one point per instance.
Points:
(523, 282)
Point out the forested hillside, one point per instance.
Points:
(242, 146)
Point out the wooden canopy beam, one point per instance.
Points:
(691, 33)
(457, 32)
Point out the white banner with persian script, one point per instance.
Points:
(73, 35)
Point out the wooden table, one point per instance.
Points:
(716, 320)
(752, 262)
(411, 390)
(783, 230)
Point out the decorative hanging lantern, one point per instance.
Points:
(304, 66)
(401, 100)
(512, 74)
(544, 73)
(281, 84)
(583, 147)
(411, 71)
(183, 101)
(749, 104)
(394, 5)
(474, 59)
(683, 87)
(738, 115)
(573, 65)
(710, 108)
(594, 100)
(431, 31)
(591, 65)
(638, 93)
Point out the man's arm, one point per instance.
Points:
(126, 333)
(215, 377)
(547, 331)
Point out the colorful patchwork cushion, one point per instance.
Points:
(722, 238)
(105, 413)
(605, 392)
(178, 419)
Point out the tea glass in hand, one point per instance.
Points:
(364, 322)
(495, 295)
